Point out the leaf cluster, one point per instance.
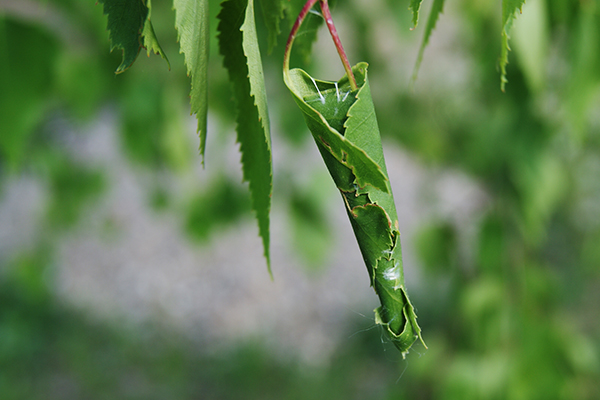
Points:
(130, 28)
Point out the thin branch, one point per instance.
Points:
(338, 43)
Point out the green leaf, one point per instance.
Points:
(273, 14)
(531, 40)
(126, 21)
(325, 120)
(191, 22)
(509, 13)
(150, 41)
(436, 9)
(344, 126)
(238, 44)
(415, 6)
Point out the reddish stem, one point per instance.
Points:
(288, 47)
(338, 43)
(334, 35)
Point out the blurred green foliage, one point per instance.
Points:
(218, 205)
(71, 187)
(512, 314)
(25, 83)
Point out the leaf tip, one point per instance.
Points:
(269, 267)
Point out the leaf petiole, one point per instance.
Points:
(334, 35)
(338, 43)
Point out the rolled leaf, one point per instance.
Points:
(344, 126)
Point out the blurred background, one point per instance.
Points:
(128, 271)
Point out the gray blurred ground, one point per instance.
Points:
(145, 270)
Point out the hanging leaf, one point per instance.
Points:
(436, 9)
(238, 44)
(273, 14)
(509, 13)
(191, 22)
(126, 20)
(130, 29)
(344, 126)
(415, 6)
(150, 41)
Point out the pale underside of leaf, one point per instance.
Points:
(191, 22)
(436, 9)
(256, 74)
(510, 8)
(531, 42)
(126, 21)
(238, 44)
